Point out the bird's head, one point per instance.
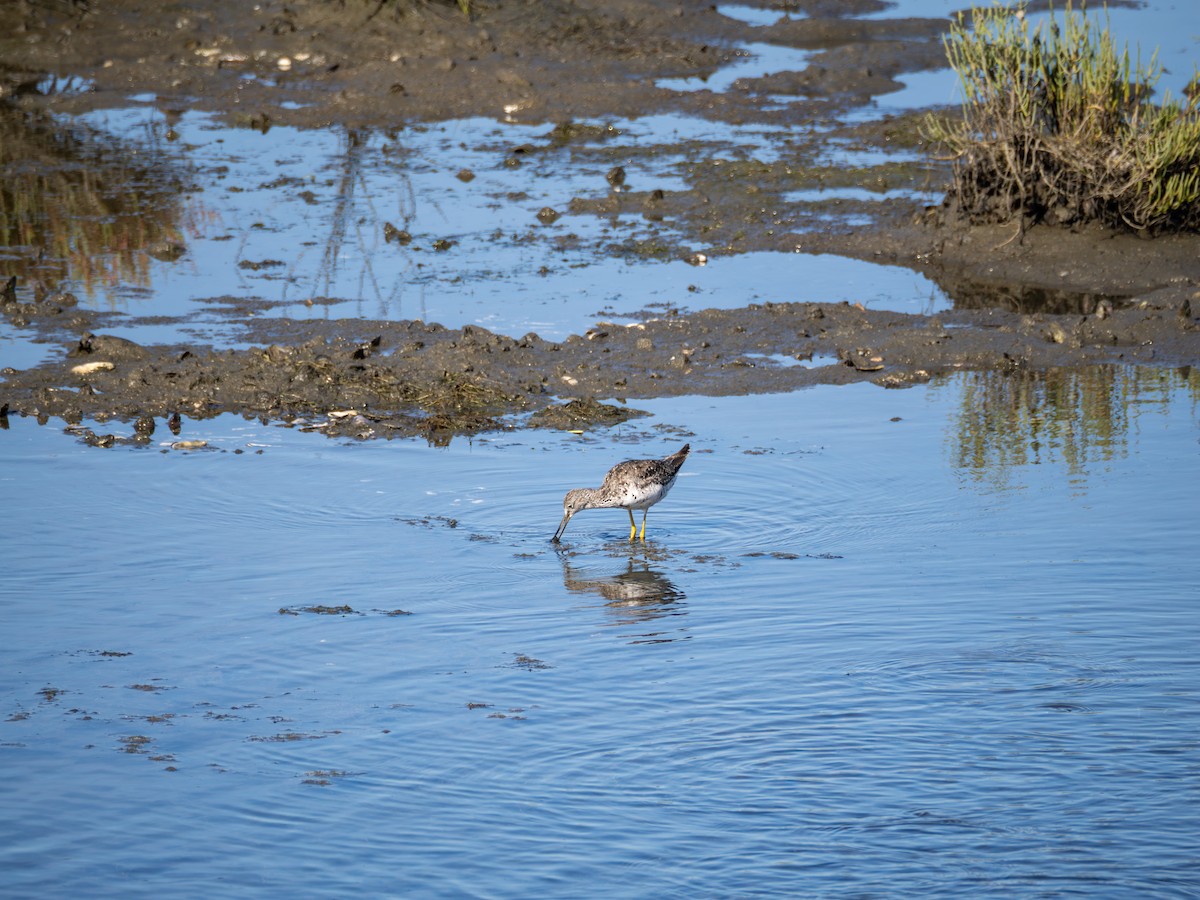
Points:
(572, 503)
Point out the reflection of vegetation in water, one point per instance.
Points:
(1023, 298)
(83, 204)
(357, 229)
(1071, 417)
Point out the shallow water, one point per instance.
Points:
(877, 644)
(938, 641)
(293, 223)
(756, 61)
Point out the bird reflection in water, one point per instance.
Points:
(635, 596)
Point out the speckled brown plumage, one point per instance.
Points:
(633, 484)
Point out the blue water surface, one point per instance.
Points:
(869, 649)
(933, 642)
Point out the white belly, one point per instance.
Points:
(644, 499)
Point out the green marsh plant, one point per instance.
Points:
(1058, 127)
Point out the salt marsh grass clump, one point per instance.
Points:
(1058, 126)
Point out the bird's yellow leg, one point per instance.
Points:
(645, 512)
(632, 526)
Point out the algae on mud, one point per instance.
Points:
(425, 379)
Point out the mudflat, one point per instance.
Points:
(1050, 297)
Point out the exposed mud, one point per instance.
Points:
(369, 379)
(364, 63)
(1052, 298)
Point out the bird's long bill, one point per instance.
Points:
(562, 526)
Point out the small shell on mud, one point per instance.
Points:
(342, 413)
(548, 215)
(277, 354)
(567, 379)
(90, 367)
(511, 109)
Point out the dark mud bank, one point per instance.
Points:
(363, 63)
(383, 379)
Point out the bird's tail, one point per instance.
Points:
(676, 459)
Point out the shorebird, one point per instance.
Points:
(633, 484)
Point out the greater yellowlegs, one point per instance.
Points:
(633, 484)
